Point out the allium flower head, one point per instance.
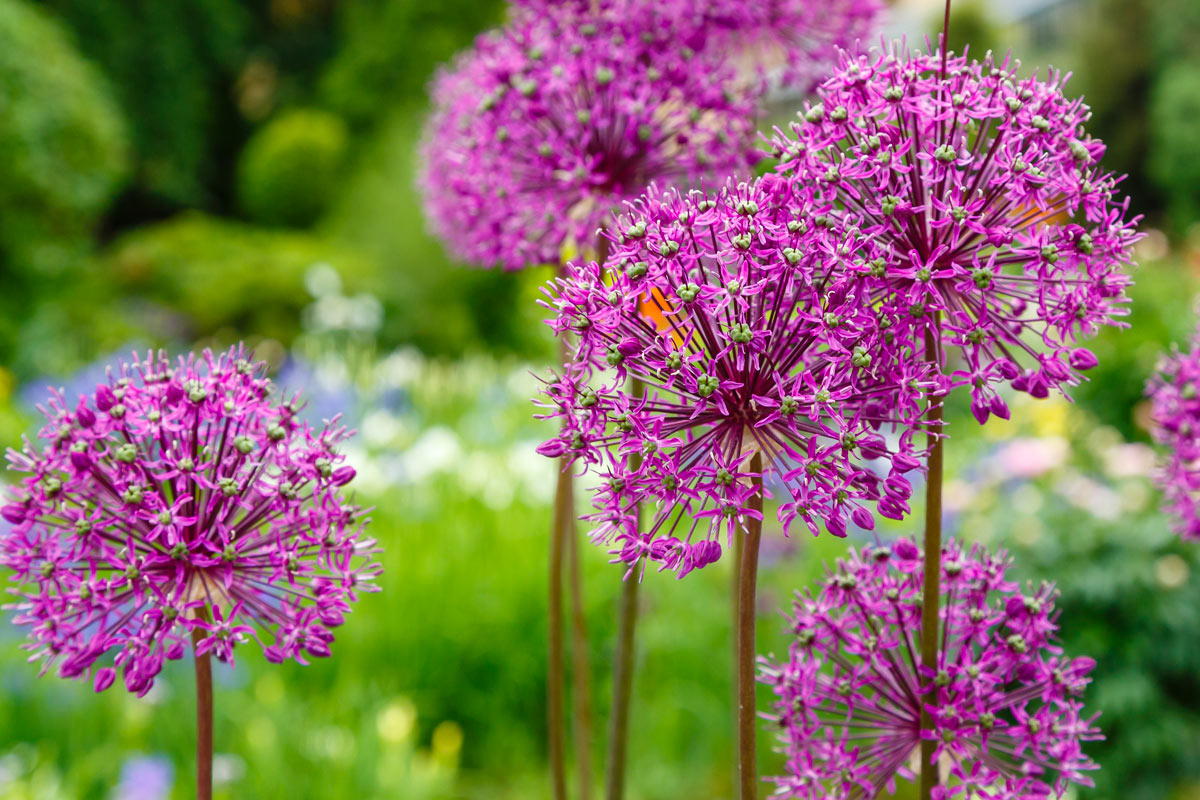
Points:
(722, 306)
(181, 498)
(1005, 701)
(794, 41)
(1174, 392)
(548, 124)
(987, 189)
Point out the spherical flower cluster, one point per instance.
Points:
(795, 40)
(548, 124)
(986, 188)
(181, 500)
(1174, 392)
(1007, 718)
(721, 306)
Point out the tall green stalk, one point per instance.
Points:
(746, 653)
(561, 526)
(581, 668)
(618, 723)
(931, 590)
(204, 721)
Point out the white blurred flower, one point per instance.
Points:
(436, 451)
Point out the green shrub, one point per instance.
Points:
(441, 307)
(291, 167)
(173, 66)
(226, 275)
(970, 26)
(1174, 160)
(1162, 298)
(63, 145)
(390, 49)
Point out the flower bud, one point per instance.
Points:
(1083, 359)
(13, 513)
(863, 518)
(84, 415)
(105, 399)
(553, 448)
(104, 679)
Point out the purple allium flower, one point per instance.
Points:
(797, 40)
(984, 186)
(1005, 703)
(723, 306)
(1174, 392)
(178, 499)
(548, 124)
(794, 41)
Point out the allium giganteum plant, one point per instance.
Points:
(1007, 235)
(929, 223)
(936, 223)
(1174, 392)
(182, 502)
(554, 120)
(551, 122)
(1007, 718)
(751, 357)
(543, 129)
(761, 358)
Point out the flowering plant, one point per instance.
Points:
(548, 124)
(1004, 701)
(181, 500)
(725, 306)
(1010, 237)
(1174, 392)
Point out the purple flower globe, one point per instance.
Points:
(795, 42)
(1008, 721)
(181, 500)
(723, 306)
(1011, 238)
(550, 123)
(1174, 392)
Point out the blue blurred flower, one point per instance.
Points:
(327, 391)
(145, 778)
(82, 381)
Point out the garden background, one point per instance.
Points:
(198, 172)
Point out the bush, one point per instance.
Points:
(391, 48)
(172, 66)
(291, 167)
(63, 145)
(970, 26)
(218, 274)
(1175, 138)
(1162, 299)
(432, 303)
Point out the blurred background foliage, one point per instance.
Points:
(195, 172)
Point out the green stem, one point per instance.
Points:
(555, 672)
(561, 527)
(618, 723)
(618, 728)
(746, 654)
(739, 547)
(581, 667)
(931, 591)
(204, 721)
